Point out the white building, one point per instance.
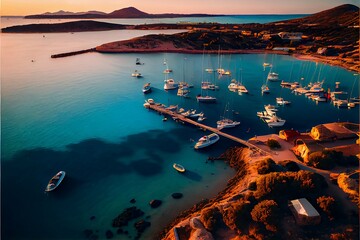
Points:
(304, 212)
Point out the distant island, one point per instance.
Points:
(129, 12)
(330, 36)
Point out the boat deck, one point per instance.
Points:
(158, 107)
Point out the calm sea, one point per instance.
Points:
(84, 115)
(238, 19)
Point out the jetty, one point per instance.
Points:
(160, 108)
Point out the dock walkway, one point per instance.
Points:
(178, 117)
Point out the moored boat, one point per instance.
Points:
(170, 84)
(179, 168)
(281, 101)
(275, 121)
(207, 140)
(265, 89)
(146, 88)
(55, 181)
(136, 74)
(272, 76)
(206, 99)
(226, 123)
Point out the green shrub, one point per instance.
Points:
(211, 218)
(268, 213)
(272, 143)
(266, 166)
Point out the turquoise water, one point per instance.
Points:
(84, 115)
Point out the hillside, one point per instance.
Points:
(129, 12)
(78, 26)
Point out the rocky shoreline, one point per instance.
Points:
(266, 180)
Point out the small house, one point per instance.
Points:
(304, 147)
(288, 134)
(333, 131)
(304, 212)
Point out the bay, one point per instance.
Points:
(84, 115)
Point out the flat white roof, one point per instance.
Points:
(303, 207)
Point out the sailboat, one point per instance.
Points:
(183, 90)
(241, 88)
(226, 122)
(167, 69)
(351, 102)
(264, 88)
(201, 97)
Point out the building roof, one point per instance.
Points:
(338, 130)
(303, 207)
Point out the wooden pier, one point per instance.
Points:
(160, 108)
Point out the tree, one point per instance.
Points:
(266, 212)
(266, 166)
(272, 143)
(211, 218)
(237, 216)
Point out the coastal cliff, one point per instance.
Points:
(318, 38)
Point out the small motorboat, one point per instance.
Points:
(207, 141)
(275, 121)
(136, 74)
(146, 88)
(55, 181)
(206, 99)
(137, 62)
(265, 89)
(281, 101)
(179, 168)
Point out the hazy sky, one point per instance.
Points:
(26, 7)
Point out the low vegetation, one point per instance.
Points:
(328, 159)
(273, 144)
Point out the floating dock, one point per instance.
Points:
(160, 108)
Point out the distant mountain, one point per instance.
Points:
(129, 12)
(62, 13)
(344, 15)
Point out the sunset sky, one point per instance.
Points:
(27, 7)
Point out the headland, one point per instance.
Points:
(257, 202)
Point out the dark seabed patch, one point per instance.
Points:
(25, 175)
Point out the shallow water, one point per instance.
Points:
(84, 115)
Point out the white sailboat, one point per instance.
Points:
(183, 90)
(241, 88)
(226, 122)
(205, 98)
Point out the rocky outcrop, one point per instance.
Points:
(155, 203)
(127, 215)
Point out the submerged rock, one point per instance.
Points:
(92, 217)
(177, 195)
(155, 203)
(133, 200)
(127, 215)
(141, 225)
(109, 234)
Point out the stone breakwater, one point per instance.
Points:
(68, 54)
